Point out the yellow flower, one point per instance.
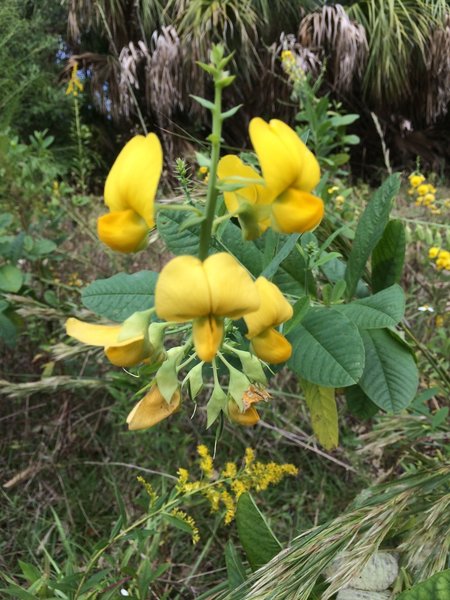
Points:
(443, 260)
(428, 199)
(416, 179)
(290, 171)
(206, 461)
(433, 252)
(130, 190)
(250, 415)
(205, 292)
(125, 345)
(74, 84)
(423, 189)
(268, 343)
(203, 170)
(439, 321)
(152, 409)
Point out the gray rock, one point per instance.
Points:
(351, 594)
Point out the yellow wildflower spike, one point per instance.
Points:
(152, 409)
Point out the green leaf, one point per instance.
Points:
(178, 523)
(121, 295)
(342, 120)
(384, 309)
(235, 569)
(203, 102)
(327, 349)
(321, 402)
(334, 271)
(281, 255)
(8, 331)
(300, 308)
(370, 230)
(359, 404)
(11, 278)
(231, 112)
(434, 588)
(388, 256)
(17, 592)
(178, 242)
(41, 247)
(257, 539)
(390, 376)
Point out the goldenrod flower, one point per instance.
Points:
(125, 345)
(268, 343)
(205, 292)
(130, 190)
(416, 179)
(206, 461)
(290, 171)
(74, 85)
(152, 409)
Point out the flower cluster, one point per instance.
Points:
(74, 86)
(441, 258)
(205, 296)
(424, 193)
(291, 66)
(223, 488)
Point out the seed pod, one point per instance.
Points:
(437, 239)
(420, 232)
(408, 234)
(447, 237)
(428, 236)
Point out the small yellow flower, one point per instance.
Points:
(74, 86)
(152, 409)
(206, 461)
(283, 200)
(266, 342)
(130, 190)
(180, 514)
(286, 55)
(339, 199)
(428, 199)
(447, 203)
(333, 189)
(416, 179)
(218, 287)
(203, 170)
(423, 189)
(433, 252)
(125, 345)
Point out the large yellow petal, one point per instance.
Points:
(247, 418)
(207, 333)
(271, 346)
(229, 168)
(296, 212)
(279, 165)
(92, 334)
(127, 354)
(182, 290)
(134, 177)
(274, 309)
(308, 174)
(232, 290)
(123, 231)
(152, 409)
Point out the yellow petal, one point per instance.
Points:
(124, 231)
(229, 168)
(92, 334)
(296, 212)
(152, 409)
(182, 290)
(127, 354)
(247, 418)
(308, 174)
(134, 177)
(271, 346)
(273, 310)
(207, 333)
(232, 290)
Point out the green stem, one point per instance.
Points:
(211, 198)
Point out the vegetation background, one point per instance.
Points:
(69, 467)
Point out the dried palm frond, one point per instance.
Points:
(331, 35)
(408, 505)
(437, 62)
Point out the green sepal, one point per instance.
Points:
(135, 325)
(238, 385)
(252, 366)
(166, 376)
(195, 378)
(216, 404)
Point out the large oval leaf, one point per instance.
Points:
(327, 349)
(121, 295)
(384, 309)
(390, 376)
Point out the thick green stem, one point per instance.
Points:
(206, 229)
